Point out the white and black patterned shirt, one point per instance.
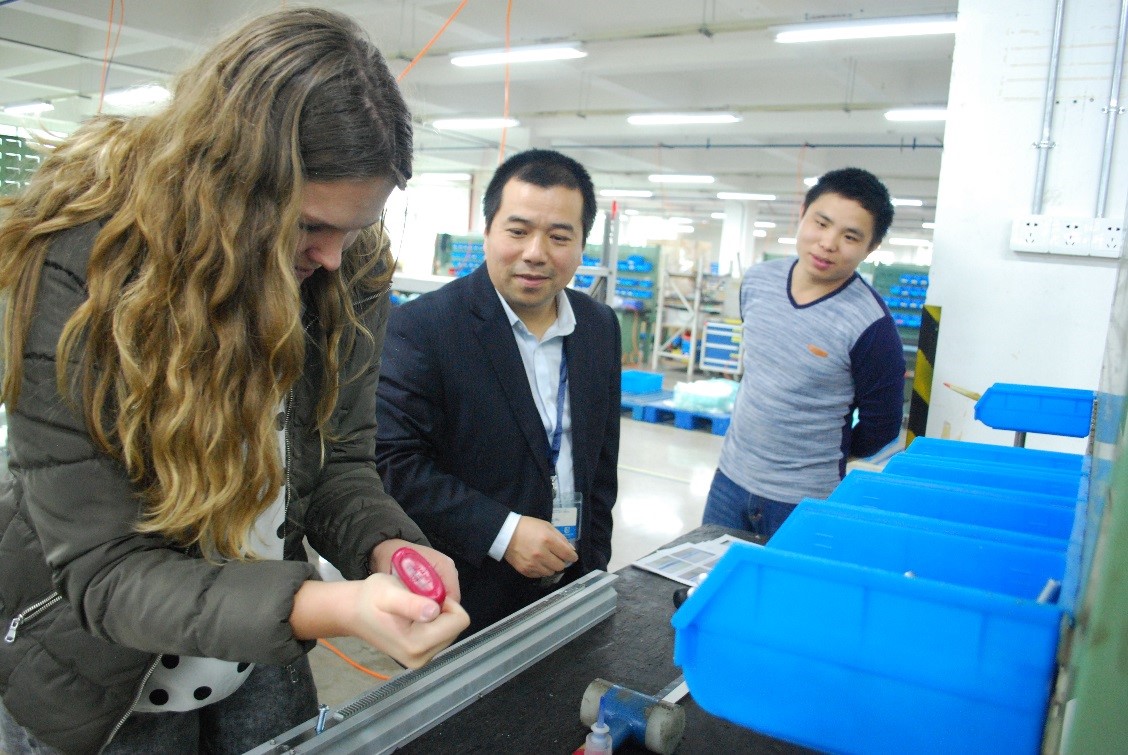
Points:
(183, 683)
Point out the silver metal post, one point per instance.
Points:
(1112, 112)
(1045, 144)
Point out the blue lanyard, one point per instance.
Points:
(561, 393)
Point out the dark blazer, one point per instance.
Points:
(460, 443)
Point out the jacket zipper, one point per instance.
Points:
(30, 613)
(286, 469)
(133, 704)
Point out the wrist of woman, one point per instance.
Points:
(324, 609)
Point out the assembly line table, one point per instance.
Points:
(538, 711)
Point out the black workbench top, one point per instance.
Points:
(538, 711)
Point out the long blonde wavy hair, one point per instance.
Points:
(192, 332)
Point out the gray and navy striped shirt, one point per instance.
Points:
(806, 368)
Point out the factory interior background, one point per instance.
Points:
(1002, 142)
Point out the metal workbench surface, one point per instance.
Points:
(538, 711)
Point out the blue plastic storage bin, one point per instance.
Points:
(850, 658)
(1054, 482)
(998, 561)
(1030, 513)
(1036, 409)
(640, 381)
(992, 454)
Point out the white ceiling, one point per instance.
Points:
(806, 108)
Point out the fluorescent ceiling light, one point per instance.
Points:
(29, 108)
(149, 94)
(907, 202)
(678, 178)
(810, 181)
(717, 215)
(905, 26)
(681, 119)
(909, 242)
(917, 114)
(786, 240)
(641, 193)
(682, 228)
(680, 221)
(473, 124)
(743, 196)
(630, 212)
(760, 233)
(530, 54)
(928, 225)
(764, 224)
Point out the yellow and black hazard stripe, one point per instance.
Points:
(922, 374)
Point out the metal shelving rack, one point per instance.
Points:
(693, 296)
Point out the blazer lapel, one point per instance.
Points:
(581, 389)
(495, 337)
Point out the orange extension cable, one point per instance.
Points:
(333, 649)
(108, 55)
(505, 107)
(434, 39)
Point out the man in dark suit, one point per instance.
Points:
(499, 395)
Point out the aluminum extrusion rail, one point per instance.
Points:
(409, 705)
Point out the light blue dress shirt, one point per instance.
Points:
(541, 358)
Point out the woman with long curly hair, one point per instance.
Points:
(195, 303)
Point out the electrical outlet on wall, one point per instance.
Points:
(1070, 235)
(1107, 239)
(1030, 233)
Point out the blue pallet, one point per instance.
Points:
(660, 411)
(636, 403)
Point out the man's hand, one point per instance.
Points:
(537, 549)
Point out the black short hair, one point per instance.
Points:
(864, 188)
(545, 168)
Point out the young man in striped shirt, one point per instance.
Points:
(819, 343)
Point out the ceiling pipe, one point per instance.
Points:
(1113, 110)
(145, 70)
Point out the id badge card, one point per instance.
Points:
(566, 515)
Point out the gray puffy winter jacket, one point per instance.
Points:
(90, 604)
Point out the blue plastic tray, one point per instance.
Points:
(850, 658)
(1054, 482)
(951, 552)
(1030, 513)
(640, 381)
(1036, 409)
(992, 454)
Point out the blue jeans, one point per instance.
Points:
(730, 505)
(273, 700)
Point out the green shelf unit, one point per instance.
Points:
(636, 289)
(18, 160)
(636, 297)
(904, 289)
(458, 255)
